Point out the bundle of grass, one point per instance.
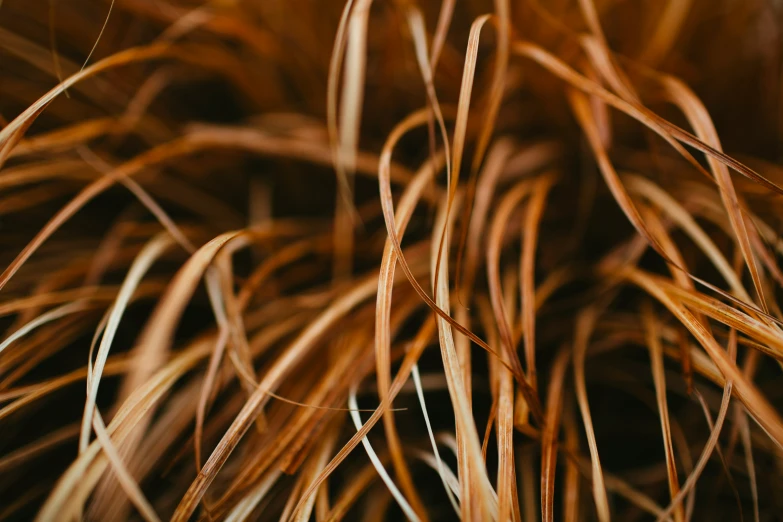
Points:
(315, 259)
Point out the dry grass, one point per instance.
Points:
(315, 259)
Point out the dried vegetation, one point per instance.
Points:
(316, 259)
